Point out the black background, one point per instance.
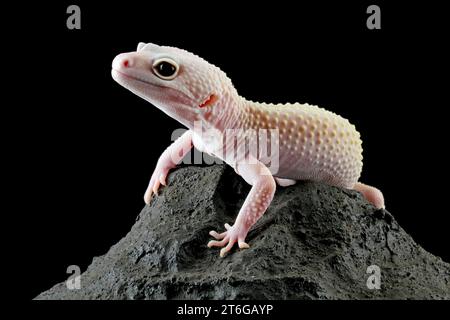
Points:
(87, 146)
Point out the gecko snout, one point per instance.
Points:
(123, 61)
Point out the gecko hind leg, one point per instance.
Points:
(282, 182)
(372, 194)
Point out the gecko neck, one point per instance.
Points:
(231, 112)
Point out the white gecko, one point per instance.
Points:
(314, 144)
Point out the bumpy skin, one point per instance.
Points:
(314, 144)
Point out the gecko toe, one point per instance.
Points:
(243, 245)
(214, 243)
(217, 236)
(162, 180)
(156, 187)
(225, 250)
(147, 197)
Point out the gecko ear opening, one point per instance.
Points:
(209, 101)
(140, 46)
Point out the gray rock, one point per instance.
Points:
(314, 242)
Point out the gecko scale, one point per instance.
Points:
(313, 143)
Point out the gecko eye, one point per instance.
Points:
(165, 68)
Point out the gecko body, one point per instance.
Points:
(311, 143)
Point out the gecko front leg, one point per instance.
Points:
(256, 203)
(167, 161)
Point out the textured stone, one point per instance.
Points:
(314, 242)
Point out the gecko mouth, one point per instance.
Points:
(135, 78)
(126, 78)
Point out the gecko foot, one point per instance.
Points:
(228, 238)
(159, 177)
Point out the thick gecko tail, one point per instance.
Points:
(372, 194)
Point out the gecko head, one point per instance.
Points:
(181, 84)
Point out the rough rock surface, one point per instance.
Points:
(314, 242)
